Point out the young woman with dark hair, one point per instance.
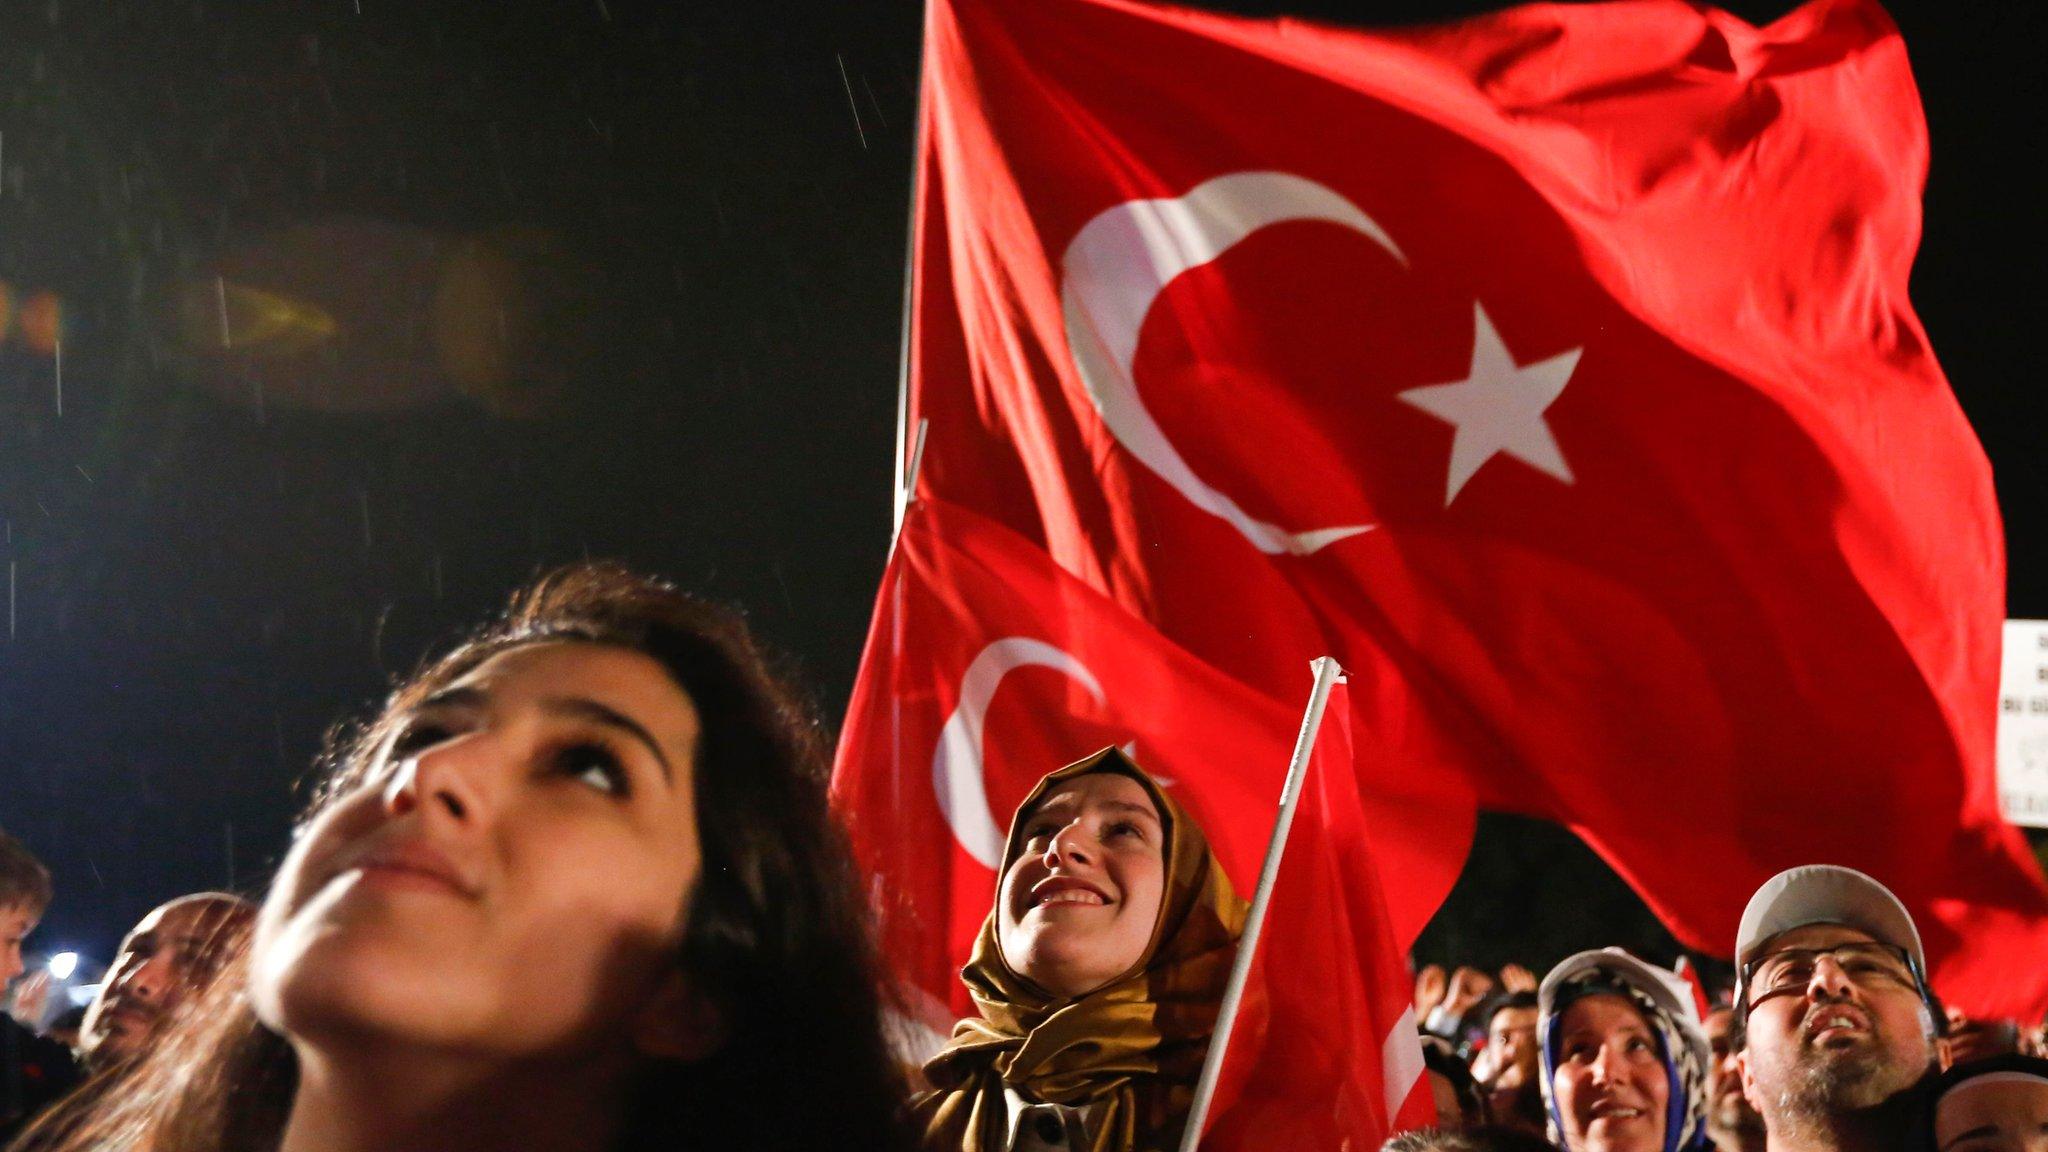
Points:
(574, 888)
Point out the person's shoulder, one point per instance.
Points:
(37, 1062)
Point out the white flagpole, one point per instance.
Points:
(1328, 674)
(905, 472)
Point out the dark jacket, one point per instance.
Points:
(34, 1072)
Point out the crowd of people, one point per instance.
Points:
(577, 886)
(1829, 1040)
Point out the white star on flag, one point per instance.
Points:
(1498, 407)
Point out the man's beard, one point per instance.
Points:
(1825, 1083)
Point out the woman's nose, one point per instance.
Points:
(443, 780)
(1069, 844)
(1607, 1064)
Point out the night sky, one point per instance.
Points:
(545, 280)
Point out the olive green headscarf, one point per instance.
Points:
(1132, 1048)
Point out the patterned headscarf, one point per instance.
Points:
(1681, 1045)
(1131, 1049)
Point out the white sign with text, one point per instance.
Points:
(2023, 724)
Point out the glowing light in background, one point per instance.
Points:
(33, 320)
(63, 964)
(250, 320)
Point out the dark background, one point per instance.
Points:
(678, 228)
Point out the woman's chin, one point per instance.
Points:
(1634, 1135)
(339, 985)
(1066, 975)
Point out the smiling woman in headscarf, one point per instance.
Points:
(1623, 1055)
(1098, 975)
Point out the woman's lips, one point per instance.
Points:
(1061, 891)
(1616, 1112)
(410, 865)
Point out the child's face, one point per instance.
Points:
(16, 922)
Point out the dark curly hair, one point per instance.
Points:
(775, 936)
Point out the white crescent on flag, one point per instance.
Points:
(1120, 262)
(957, 762)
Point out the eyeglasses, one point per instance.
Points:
(1867, 963)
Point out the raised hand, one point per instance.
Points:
(1516, 978)
(1430, 985)
(1468, 987)
(31, 997)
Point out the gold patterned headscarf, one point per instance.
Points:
(1131, 1049)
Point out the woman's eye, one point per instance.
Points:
(1126, 828)
(595, 765)
(417, 736)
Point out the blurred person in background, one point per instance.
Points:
(1839, 1028)
(34, 1070)
(1509, 1067)
(1967, 1041)
(1444, 1003)
(1733, 1124)
(1625, 1065)
(574, 889)
(171, 953)
(1998, 1104)
(1460, 1102)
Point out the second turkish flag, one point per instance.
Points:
(988, 667)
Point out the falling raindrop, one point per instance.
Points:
(851, 102)
(872, 102)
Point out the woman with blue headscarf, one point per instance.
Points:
(1625, 1062)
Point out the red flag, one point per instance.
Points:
(1326, 1052)
(988, 667)
(1553, 370)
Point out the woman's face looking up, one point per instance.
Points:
(511, 878)
(1611, 1085)
(1079, 902)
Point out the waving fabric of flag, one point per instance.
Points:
(1552, 370)
(987, 667)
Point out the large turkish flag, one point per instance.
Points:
(987, 667)
(1553, 370)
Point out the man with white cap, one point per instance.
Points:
(1840, 1026)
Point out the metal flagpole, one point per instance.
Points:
(1328, 674)
(904, 474)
